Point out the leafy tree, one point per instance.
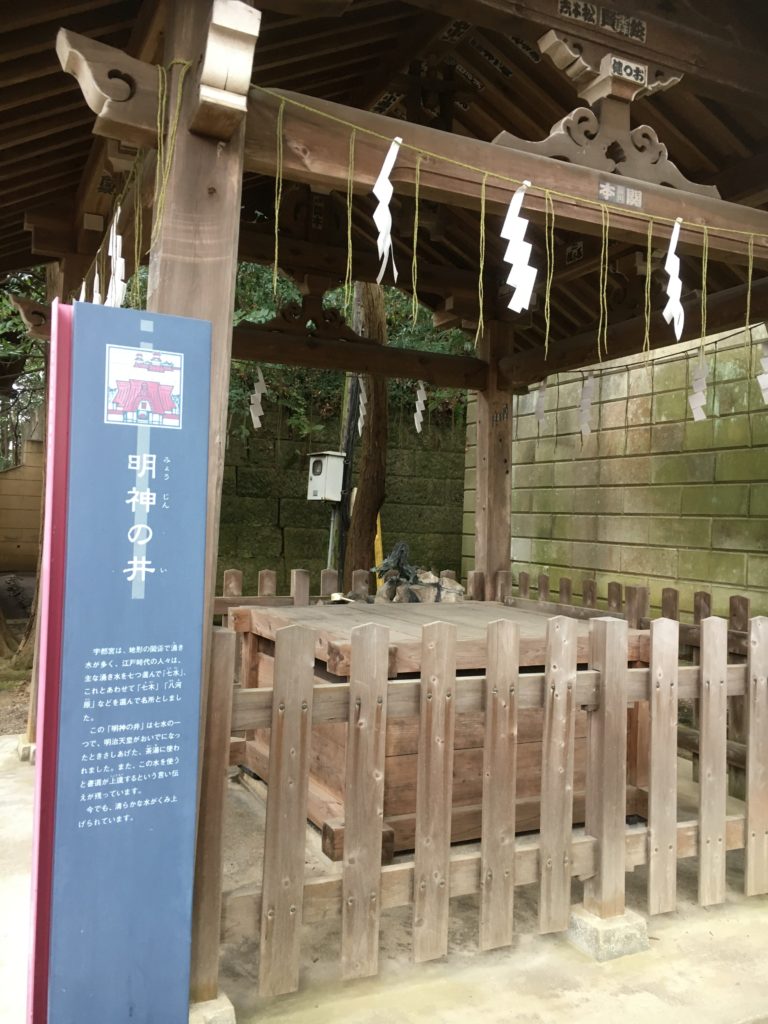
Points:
(22, 365)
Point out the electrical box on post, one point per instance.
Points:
(326, 471)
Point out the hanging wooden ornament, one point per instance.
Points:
(673, 311)
(421, 402)
(585, 407)
(762, 378)
(382, 215)
(362, 406)
(256, 407)
(698, 396)
(522, 276)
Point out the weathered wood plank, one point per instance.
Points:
(713, 771)
(434, 786)
(329, 582)
(565, 590)
(300, 587)
(267, 582)
(232, 583)
(364, 801)
(504, 583)
(614, 597)
(756, 855)
(589, 593)
(289, 754)
(557, 775)
(670, 603)
(662, 786)
(361, 582)
(475, 585)
(607, 768)
(206, 906)
(543, 594)
(637, 604)
(524, 585)
(738, 620)
(497, 842)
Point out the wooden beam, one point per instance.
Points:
(494, 462)
(316, 151)
(249, 341)
(712, 62)
(725, 310)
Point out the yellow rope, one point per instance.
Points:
(750, 268)
(414, 269)
(166, 147)
(549, 236)
(704, 269)
(602, 327)
(372, 133)
(278, 193)
(350, 184)
(648, 261)
(480, 282)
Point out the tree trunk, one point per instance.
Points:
(369, 320)
(7, 642)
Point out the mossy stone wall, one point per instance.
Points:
(651, 497)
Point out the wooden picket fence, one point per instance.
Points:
(600, 854)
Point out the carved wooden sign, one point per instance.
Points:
(602, 17)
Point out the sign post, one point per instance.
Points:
(121, 649)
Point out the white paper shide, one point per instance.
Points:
(382, 215)
(522, 276)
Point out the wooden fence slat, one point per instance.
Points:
(543, 587)
(497, 842)
(614, 597)
(738, 613)
(606, 796)
(364, 801)
(713, 768)
(206, 910)
(523, 584)
(232, 583)
(589, 593)
(670, 603)
(702, 606)
(434, 790)
(329, 582)
(738, 619)
(267, 583)
(662, 787)
(300, 581)
(504, 582)
(756, 851)
(361, 582)
(637, 605)
(286, 819)
(565, 590)
(475, 585)
(557, 751)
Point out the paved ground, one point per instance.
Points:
(703, 967)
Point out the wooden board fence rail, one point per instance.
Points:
(599, 854)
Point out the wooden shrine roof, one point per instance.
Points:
(714, 125)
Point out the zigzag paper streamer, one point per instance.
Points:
(117, 286)
(362, 407)
(421, 402)
(762, 378)
(698, 396)
(585, 407)
(540, 402)
(382, 215)
(82, 293)
(256, 407)
(96, 300)
(673, 311)
(522, 276)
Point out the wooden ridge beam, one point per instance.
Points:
(316, 151)
(714, 63)
(249, 341)
(725, 310)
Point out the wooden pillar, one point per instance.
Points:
(494, 461)
(193, 261)
(192, 271)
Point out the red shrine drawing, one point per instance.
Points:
(143, 387)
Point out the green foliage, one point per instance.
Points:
(312, 398)
(22, 364)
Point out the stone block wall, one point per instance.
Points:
(267, 522)
(651, 497)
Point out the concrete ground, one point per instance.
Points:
(704, 966)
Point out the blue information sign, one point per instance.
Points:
(130, 680)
